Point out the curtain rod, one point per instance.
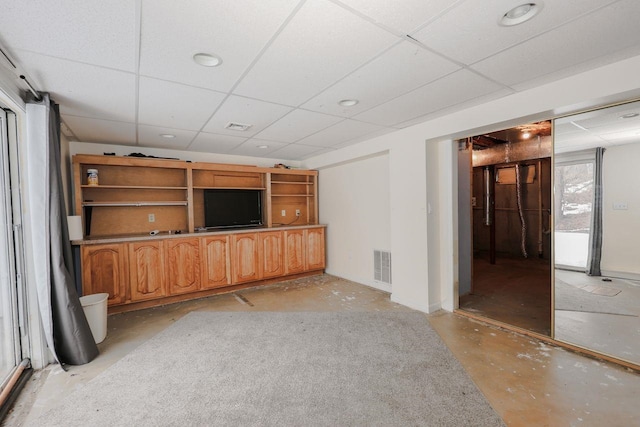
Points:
(33, 90)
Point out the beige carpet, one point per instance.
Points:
(284, 369)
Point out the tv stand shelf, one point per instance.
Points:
(137, 195)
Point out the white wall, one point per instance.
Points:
(621, 228)
(354, 200)
(415, 246)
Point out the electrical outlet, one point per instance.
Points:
(283, 212)
(297, 212)
(152, 217)
(473, 202)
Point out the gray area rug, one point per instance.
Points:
(284, 369)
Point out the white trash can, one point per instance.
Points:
(95, 309)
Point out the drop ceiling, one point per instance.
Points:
(123, 70)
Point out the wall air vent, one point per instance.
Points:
(237, 126)
(382, 266)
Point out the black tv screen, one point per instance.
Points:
(232, 208)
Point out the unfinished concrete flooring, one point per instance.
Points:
(514, 290)
(527, 383)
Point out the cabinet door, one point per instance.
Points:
(216, 262)
(294, 251)
(271, 254)
(182, 258)
(104, 270)
(315, 249)
(146, 272)
(245, 258)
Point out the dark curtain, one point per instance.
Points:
(595, 237)
(73, 341)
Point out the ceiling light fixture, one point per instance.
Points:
(520, 14)
(348, 102)
(167, 135)
(262, 146)
(207, 59)
(526, 135)
(237, 126)
(629, 115)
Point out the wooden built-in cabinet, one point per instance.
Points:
(135, 196)
(104, 270)
(146, 275)
(182, 258)
(271, 254)
(216, 262)
(156, 269)
(246, 265)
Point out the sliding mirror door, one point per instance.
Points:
(597, 231)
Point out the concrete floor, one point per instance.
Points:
(527, 382)
(600, 315)
(514, 290)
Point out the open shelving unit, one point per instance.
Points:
(133, 191)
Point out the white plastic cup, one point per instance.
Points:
(95, 309)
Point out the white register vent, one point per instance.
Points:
(382, 266)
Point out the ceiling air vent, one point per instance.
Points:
(237, 126)
(382, 266)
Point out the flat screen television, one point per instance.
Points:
(224, 208)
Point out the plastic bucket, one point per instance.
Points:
(95, 309)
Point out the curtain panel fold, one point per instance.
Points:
(65, 326)
(595, 236)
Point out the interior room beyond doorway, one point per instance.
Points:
(509, 179)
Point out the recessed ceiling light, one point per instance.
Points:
(237, 126)
(520, 14)
(207, 59)
(348, 102)
(167, 135)
(629, 115)
(526, 135)
(262, 146)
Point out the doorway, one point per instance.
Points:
(504, 226)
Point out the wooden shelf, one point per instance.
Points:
(199, 187)
(133, 187)
(131, 190)
(135, 204)
(292, 182)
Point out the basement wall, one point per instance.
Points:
(621, 228)
(414, 250)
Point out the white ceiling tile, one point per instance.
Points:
(339, 42)
(174, 105)
(402, 16)
(172, 32)
(341, 132)
(298, 151)
(491, 96)
(297, 125)
(399, 70)
(468, 33)
(212, 143)
(103, 131)
(93, 31)
(238, 109)
(607, 117)
(585, 39)
(453, 89)
(250, 148)
(83, 90)
(150, 136)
